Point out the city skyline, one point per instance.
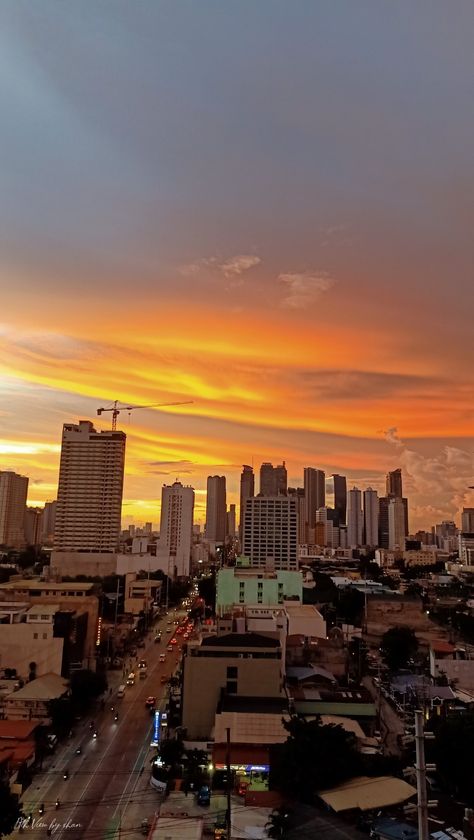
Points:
(286, 242)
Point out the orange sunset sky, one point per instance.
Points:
(264, 208)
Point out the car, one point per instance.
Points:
(162, 657)
(131, 679)
(150, 702)
(164, 678)
(142, 663)
(169, 628)
(242, 788)
(170, 648)
(186, 637)
(174, 641)
(203, 796)
(157, 638)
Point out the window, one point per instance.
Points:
(35, 635)
(45, 635)
(232, 672)
(231, 686)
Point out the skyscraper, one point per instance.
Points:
(355, 518)
(90, 489)
(396, 523)
(13, 492)
(273, 480)
(271, 532)
(247, 490)
(49, 519)
(394, 485)
(298, 494)
(340, 497)
(371, 517)
(467, 521)
(176, 527)
(315, 494)
(230, 529)
(216, 509)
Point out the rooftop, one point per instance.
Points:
(365, 793)
(36, 583)
(17, 730)
(47, 687)
(241, 640)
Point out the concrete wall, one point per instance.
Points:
(19, 647)
(72, 563)
(204, 677)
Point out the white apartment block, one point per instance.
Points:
(90, 489)
(396, 523)
(13, 492)
(270, 537)
(176, 527)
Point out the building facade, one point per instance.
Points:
(13, 493)
(355, 518)
(89, 504)
(216, 509)
(371, 517)
(273, 480)
(396, 523)
(250, 586)
(314, 483)
(271, 532)
(176, 527)
(247, 491)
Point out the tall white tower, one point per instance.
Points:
(13, 492)
(176, 527)
(371, 517)
(89, 504)
(355, 518)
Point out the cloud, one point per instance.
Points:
(239, 264)
(303, 289)
(444, 479)
(231, 267)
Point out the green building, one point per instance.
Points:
(245, 585)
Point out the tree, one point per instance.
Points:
(207, 590)
(10, 809)
(314, 757)
(399, 644)
(454, 748)
(277, 824)
(86, 686)
(62, 715)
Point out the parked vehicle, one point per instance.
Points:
(203, 796)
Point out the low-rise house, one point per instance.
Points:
(32, 702)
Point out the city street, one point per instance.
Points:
(108, 784)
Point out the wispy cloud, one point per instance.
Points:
(302, 289)
(231, 267)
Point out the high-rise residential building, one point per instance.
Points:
(371, 517)
(355, 518)
(216, 509)
(314, 482)
(33, 525)
(467, 521)
(281, 479)
(340, 497)
(49, 520)
(396, 523)
(90, 489)
(298, 494)
(270, 537)
(273, 480)
(383, 521)
(394, 486)
(13, 493)
(326, 532)
(176, 527)
(231, 529)
(247, 490)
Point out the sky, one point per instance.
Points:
(265, 208)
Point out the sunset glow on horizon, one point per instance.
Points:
(285, 241)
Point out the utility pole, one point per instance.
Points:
(420, 767)
(229, 785)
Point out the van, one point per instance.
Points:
(121, 691)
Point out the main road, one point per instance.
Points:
(108, 782)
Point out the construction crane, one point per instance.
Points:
(116, 409)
